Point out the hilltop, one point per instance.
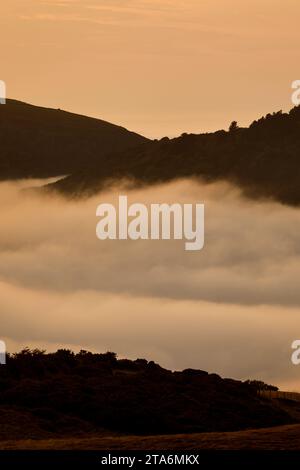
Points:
(263, 160)
(65, 394)
(39, 142)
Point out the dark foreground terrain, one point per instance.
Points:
(62, 394)
(277, 438)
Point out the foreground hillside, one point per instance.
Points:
(66, 394)
(277, 438)
(41, 142)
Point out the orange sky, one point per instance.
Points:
(159, 67)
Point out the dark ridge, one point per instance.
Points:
(62, 393)
(264, 160)
(38, 142)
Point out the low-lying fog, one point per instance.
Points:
(231, 308)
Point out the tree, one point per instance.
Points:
(233, 126)
(259, 385)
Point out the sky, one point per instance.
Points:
(231, 308)
(158, 67)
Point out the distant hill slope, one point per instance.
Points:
(60, 394)
(42, 142)
(263, 159)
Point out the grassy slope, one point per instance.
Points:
(276, 438)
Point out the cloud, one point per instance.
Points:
(147, 13)
(60, 285)
(251, 254)
(233, 341)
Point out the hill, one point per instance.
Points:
(264, 160)
(65, 394)
(38, 142)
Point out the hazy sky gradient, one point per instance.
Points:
(159, 67)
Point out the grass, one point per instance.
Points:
(275, 438)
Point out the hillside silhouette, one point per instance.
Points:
(263, 159)
(62, 393)
(38, 142)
